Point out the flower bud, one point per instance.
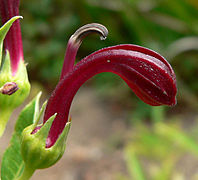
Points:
(20, 78)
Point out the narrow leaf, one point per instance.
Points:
(133, 164)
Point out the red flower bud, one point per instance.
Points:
(13, 40)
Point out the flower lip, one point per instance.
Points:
(145, 66)
(147, 51)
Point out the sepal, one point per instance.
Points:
(33, 147)
(9, 103)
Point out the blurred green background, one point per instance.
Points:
(157, 138)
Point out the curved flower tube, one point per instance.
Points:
(13, 41)
(146, 72)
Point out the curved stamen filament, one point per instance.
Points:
(75, 42)
(87, 29)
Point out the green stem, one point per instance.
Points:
(157, 114)
(27, 173)
(4, 117)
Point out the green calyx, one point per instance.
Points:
(33, 147)
(9, 103)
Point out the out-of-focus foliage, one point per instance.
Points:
(161, 151)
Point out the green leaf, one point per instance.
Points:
(12, 162)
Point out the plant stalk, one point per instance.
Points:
(27, 173)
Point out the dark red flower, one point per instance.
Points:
(146, 72)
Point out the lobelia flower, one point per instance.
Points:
(146, 72)
(13, 76)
